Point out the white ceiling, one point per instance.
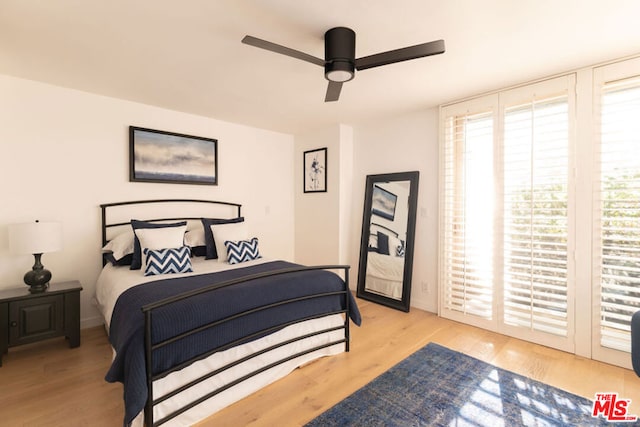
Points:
(187, 56)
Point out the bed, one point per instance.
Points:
(385, 262)
(198, 318)
(385, 274)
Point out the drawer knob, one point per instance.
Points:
(13, 324)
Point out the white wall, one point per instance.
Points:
(347, 202)
(329, 225)
(402, 144)
(323, 220)
(63, 152)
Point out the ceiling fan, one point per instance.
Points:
(340, 60)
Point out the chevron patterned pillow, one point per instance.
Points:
(242, 250)
(167, 261)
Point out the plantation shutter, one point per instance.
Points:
(525, 156)
(506, 212)
(617, 207)
(467, 213)
(535, 149)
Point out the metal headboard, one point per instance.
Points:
(395, 233)
(193, 202)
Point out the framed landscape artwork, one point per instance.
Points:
(383, 203)
(315, 171)
(159, 156)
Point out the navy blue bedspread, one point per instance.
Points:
(127, 321)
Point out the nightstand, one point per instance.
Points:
(27, 317)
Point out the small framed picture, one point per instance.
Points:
(383, 203)
(159, 156)
(315, 171)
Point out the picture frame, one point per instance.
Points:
(383, 203)
(169, 157)
(315, 171)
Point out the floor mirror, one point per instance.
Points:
(387, 242)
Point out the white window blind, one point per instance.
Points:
(467, 232)
(566, 170)
(506, 212)
(535, 214)
(617, 210)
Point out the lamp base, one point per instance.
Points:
(38, 278)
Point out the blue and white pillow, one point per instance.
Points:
(136, 262)
(242, 250)
(167, 261)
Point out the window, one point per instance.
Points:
(506, 212)
(617, 202)
(514, 167)
(468, 207)
(535, 214)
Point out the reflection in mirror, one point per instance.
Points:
(388, 227)
(387, 237)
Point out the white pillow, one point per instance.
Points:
(228, 232)
(394, 244)
(194, 237)
(161, 238)
(121, 245)
(373, 241)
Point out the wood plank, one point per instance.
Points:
(48, 383)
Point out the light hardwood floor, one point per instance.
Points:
(48, 384)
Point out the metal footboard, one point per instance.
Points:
(150, 348)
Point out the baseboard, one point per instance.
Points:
(91, 322)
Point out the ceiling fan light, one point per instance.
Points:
(339, 76)
(339, 71)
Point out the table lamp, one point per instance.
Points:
(36, 238)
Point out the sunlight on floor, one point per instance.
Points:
(500, 401)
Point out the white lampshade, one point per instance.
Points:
(35, 237)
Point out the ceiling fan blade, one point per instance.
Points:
(406, 53)
(273, 47)
(333, 91)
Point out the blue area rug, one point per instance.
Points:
(440, 387)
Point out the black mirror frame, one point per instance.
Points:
(404, 303)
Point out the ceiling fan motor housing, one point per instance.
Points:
(339, 54)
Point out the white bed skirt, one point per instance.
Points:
(250, 385)
(387, 288)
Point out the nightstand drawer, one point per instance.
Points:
(35, 319)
